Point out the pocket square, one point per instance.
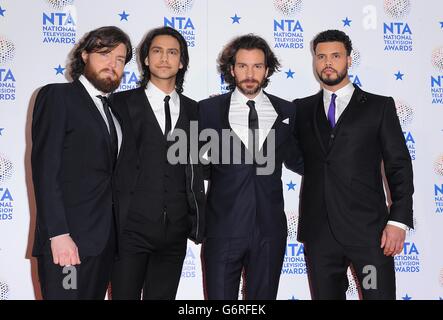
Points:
(286, 121)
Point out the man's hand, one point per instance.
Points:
(64, 251)
(392, 240)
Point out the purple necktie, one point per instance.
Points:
(331, 111)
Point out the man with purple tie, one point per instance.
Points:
(345, 135)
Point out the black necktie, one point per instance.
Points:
(253, 123)
(167, 115)
(112, 131)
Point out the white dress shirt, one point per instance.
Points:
(94, 92)
(239, 115)
(342, 100)
(156, 100)
(344, 95)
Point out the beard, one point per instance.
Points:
(249, 91)
(332, 82)
(106, 84)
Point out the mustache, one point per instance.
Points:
(329, 68)
(250, 81)
(108, 70)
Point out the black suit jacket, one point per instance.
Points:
(345, 174)
(72, 169)
(238, 198)
(134, 105)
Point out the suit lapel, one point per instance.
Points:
(358, 97)
(224, 114)
(183, 119)
(87, 101)
(119, 118)
(277, 123)
(149, 113)
(353, 103)
(224, 111)
(225, 105)
(319, 107)
(141, 114)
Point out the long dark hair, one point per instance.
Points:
(226, 60)
(144, 52)
(96, 40)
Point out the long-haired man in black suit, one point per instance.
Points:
(167, 203)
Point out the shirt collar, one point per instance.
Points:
(345, 91)
(155, 94)
(93, 91)
(242, 99)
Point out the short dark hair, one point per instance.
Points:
(144, 52)
(226, 60)
(331, 36)
(96, 40)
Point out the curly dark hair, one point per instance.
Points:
(102, 39)
(144, 52)
(331, 36)
(226, 60)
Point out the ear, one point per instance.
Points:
(266, 72)
(232, 71)
(147, 61)
(181, 65)
(85, 56)
(349, 61)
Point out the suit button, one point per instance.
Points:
(328, 163)
(137, 167)
(332, 136)
(131, 192)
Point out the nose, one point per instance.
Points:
(164, 56)
(250, 73)
(328, 62)
(112, 63)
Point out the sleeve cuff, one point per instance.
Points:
(398, 224)
(60, 235)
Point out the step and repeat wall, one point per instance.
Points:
(398, 51)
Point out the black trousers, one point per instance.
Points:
(328, 260)
(260, 257)
(151, 259)
(87, 281)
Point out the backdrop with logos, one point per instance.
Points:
(398, 51)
